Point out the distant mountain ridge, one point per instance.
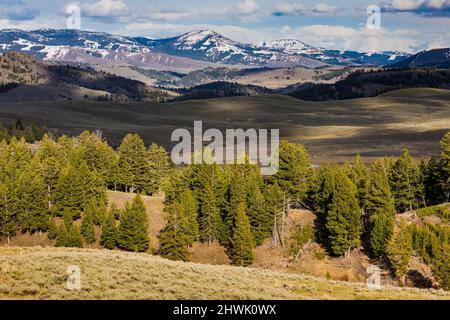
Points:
(435, 58)
(347, 57)
(193, 50)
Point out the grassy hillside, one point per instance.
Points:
(331, 130)
(40, 273)
(47, 82)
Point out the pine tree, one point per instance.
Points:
(50, 158)
(210, 223)
(133, 229)
(116, 212)
(325, 185)
(405, 183)
(8, 221)
(108, 238)
(358, 174)
(69, 191)
(187, 200)
(159, 167)
(445, 164)
(52, 231)
(260, 218)
(133, 164)
(176, 235)
(242, 244)
(98, 155)
(236, 194)
(87, 227)
(343, 222)
(294, 174)
(399, 250)
(68, 234)
(31, 199)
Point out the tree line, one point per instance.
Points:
(61, 188)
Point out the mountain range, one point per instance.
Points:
(193, 50)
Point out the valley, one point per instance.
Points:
(331, 130)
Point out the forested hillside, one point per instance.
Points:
(21, 69)
(61, 188)
(362, 84)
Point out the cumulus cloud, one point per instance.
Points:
(362, 39)
(288, 9)
(323, 8)
(108, 9)
(422, 7)
(247, 7)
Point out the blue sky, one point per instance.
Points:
(407, 25)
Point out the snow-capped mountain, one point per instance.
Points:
(193, 50)
(89, 47)
(210, 46)
(293, 46)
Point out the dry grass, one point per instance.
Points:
(40, 273)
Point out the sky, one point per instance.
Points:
(402, 25)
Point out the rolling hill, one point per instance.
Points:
(34, 80)
(362, 84)
(373, 127)
(41, 273)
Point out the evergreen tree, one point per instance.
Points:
(325, 184)
(133, 164)
(133, 229)
(8, 221)
(399, 250)
(31, 199)
(236, 194)
(97, 154)
(189, 204)
(69, 191)
(68, 234)
(294, 174)
(210, 223)
(343, 222)
(52, 231)
(108, 238)
(50, 158)
(445, 164)
(358, 174)
(159, 167)
(242, 244)
(405, 183)
(380, 209)
(87, 227)
(176, 235)
(260, 218)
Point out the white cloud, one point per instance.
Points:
(105, 9)
(288, 9)
(247, 7)
(323, 8)
(362, 39)
(422, 7)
